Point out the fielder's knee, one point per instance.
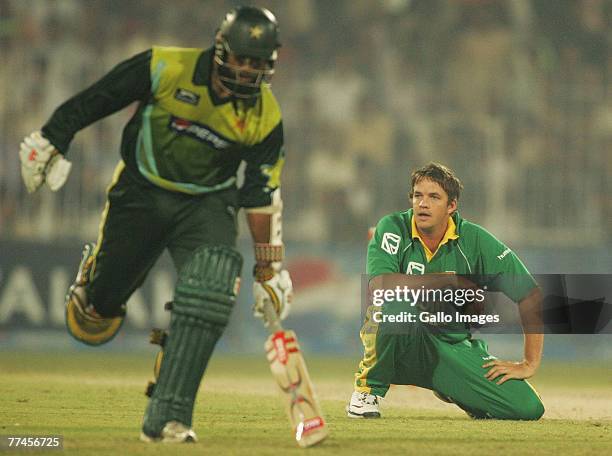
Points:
(533, 410)
(529, 408)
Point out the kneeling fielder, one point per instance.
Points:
(431, 239)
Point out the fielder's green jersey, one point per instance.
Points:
(466, 248)
(448, 361)
(182, 137)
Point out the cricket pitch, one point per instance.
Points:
(95, 400)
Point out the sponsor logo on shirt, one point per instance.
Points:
(198, 132)
(390, 243)
(415, 268)
(503, 254)
(187, 96)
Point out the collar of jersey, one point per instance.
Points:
(201, 74)
(451, 233)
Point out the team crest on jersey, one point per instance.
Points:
(415, 268)
(187, 96)
(198, 132)
(390, 243)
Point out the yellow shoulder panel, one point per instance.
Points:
(271, 111)
(168, 65)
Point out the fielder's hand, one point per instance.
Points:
(278, 289)
(508, 370)
(41, 162)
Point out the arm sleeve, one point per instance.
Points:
(384, 248)
(127, 82)
(263, 170)
(502, 268)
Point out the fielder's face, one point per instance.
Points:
(431, 207)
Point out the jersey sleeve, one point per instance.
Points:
(502, 269)
(264, 164)
(384, 249)
(127, 82)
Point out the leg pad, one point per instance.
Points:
(203, 299)
(81, 324)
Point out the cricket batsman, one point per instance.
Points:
(201, 112)
(431, 247)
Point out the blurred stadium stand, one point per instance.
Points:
(516, 96)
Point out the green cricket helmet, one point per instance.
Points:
(250, 35)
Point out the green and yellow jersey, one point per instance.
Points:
(442, 357)
(466, 248)
(182, 138)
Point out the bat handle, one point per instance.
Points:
(271, 320)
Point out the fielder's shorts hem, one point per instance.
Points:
(380, 392)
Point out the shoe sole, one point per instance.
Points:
(365, 415)
(147, 439)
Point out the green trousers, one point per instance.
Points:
(413, 354)
(139, 222)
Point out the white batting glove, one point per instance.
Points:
(278, 289)
(41, 162)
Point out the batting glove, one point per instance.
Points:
(278, 289)
(41, 162)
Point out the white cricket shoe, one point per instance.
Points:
(173, 432)
(363, 405)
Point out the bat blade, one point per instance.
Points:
(291, 375)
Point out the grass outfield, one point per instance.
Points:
(95, 400)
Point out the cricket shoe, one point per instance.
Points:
(173, 432)
(363, 405)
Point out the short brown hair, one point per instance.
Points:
(440, 174)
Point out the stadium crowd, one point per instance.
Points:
(515, 96)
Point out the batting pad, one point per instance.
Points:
(203, 300)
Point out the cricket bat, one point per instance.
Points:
(289, 370)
